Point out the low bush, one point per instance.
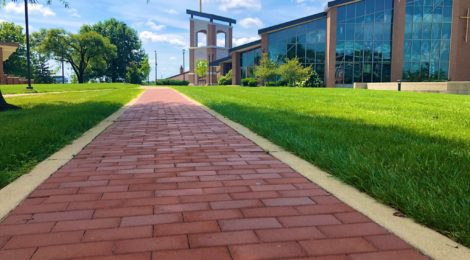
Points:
(171, 82)
(249, 82)
(226, 80)
(312, 81)
(279, 83)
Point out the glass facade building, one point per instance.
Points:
(364, 42)
(427, 40)
(248, 61)
(371, 41)
(307, 42)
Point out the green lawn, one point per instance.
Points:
(45, 88)
(408, 150)
(49, 122)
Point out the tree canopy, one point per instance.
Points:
(82, 51)
(130, 54)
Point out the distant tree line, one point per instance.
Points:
(109, 51)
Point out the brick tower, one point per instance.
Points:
(210, 39)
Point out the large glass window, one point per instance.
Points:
(248, 61)
(307, 42)
(364, 42)
(427, 40)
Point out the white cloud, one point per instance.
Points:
(171, 11)
(240, 5)
(154, 26)
(163, 38)
(73, 12)
(251, 22)
(172, 58)
(17, 8)
(244, 40)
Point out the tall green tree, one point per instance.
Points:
(40, 61)
(138, 72)
(266, 70)
(82, 51)
(129, 49)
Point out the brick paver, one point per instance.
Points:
(169, 181)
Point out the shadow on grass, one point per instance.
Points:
(31, 135)
(425, 177)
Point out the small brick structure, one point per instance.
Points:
(169, 181)
(6, 50)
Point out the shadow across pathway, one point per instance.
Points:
(170, 181)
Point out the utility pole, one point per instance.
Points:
(184, 64)
(200, 6)
(156, 67)
(28, 51)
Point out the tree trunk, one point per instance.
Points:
(4, 106)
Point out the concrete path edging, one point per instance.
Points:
(13, 194)
(428, 241)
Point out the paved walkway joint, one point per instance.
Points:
(169, 181)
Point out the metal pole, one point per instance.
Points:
(28, 51)
(156, 67)
(184, 64)
(200, 6)
(63, 68)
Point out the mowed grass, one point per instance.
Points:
(46, 88)
(48, 122)
(408, 150)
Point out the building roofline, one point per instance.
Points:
(222, 60)
(340, 2)
(10, 44)
(247, 46)
(212, 17)
(292, 23)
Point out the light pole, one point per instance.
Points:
(156, 67)
(63, 68)
(184, 64)
(28, 50)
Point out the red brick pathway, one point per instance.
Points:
(169, 181)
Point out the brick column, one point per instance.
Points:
(2, 75)
(330, 66)
(236, 72)
(398, 39)
(192, 43)
(211, 51)
(264, 43)
(459, 49)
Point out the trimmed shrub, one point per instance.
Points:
(279, 83)
(249, 82)
(171, 82)
(226, 80)
(313, 81)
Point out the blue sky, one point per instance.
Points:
(164, 25)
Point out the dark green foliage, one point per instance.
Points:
(226, 80)
(131, 62)
(171, 82)
(88, 52)
(313, 81)
(408, 150)
(16, 64)
(249, 82)
(41, 71)
(280, 83)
